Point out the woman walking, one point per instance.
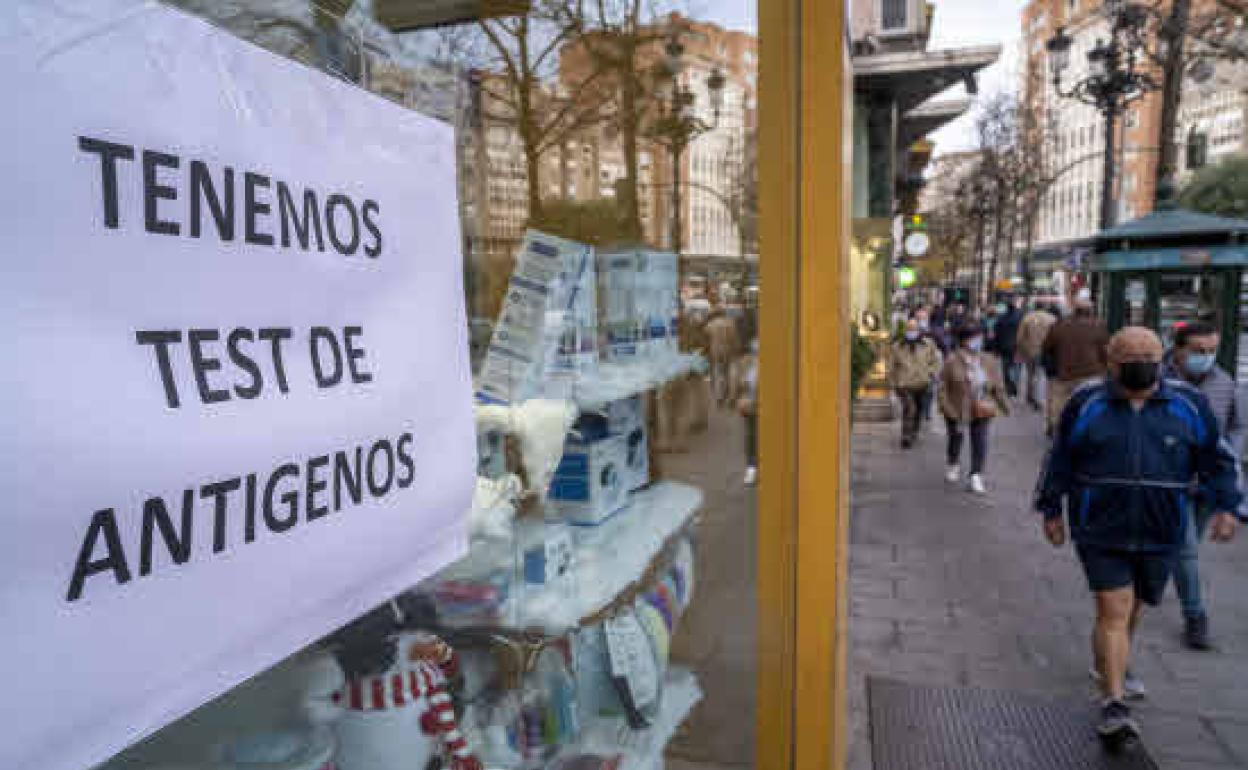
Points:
(972, 393)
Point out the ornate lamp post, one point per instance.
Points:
(677, 124)
(1114, 80)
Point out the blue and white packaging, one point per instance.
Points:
(626, 418)
(547, 331)
(638, 291)
(589, 485)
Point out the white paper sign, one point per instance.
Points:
(236, 399)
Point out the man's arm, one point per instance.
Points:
(1217, 465)
(1057, 471)
(1237, 422)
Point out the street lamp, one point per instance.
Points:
(1113, 81)
(677, 124)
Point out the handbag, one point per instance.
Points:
(983, 409)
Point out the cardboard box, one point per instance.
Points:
(547, 330)
(589, 484)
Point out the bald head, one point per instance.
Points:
(1134, 343)
(1134, 360)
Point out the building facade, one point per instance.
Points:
(715, 168)
(1075, 132)
(897, 86)
(1212, 116)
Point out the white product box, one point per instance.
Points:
(548, 323)
(589, 484)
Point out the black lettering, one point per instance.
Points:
(376, 489)
(255, 208)
(313, 485)
(354, 481)
(290, 498)
(161, 341)
(155, 514)
(405, 459)
(102, 522)
(275, 336)
(331, 224)
(109, 154)
(154, 191)
(244, 362)
(203, 364)
(202, 190)
(311, 222)
(354, 354)
(219, 492)
(373, 250)
(320, 333)
(249, 522)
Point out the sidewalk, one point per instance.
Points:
(952, 589)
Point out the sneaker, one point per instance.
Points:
(907, 442)
(976, 484)
(1132, 686)
(952, 472)
(1196, 633)
(751, 476)
(1116, 723)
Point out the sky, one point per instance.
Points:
(957, 23)
(977, 22)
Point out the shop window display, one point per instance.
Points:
(550, 643)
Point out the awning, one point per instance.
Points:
(913, 77)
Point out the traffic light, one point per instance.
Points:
(916, 223)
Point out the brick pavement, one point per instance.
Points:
(947, 588)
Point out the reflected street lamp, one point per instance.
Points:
(1114, 80)
(677, 124)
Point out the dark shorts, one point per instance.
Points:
(1110, 570)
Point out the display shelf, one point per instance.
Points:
(612, 382)
(641, 748)
(609, 558)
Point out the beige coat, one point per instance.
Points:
(1031, 333)
(913, 365)
(955, 402)
(723, 344)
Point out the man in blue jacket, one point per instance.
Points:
(1127, 455)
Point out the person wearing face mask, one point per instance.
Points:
(1194, 360)
(1126, 454)
(913, 364)
(971, 394)
(1076, 347)
(1005, 342)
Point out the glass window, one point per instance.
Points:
(599, 617)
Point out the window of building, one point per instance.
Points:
(894, 14)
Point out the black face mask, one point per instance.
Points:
(1138, 375)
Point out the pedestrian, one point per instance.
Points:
(914, 362)
(971, 395)
(1075, 346)
(723, 347)
(1194, 361)
(1029, 341)
(1005, 335)
(1125, 456)
(746, 393)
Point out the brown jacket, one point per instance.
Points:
(1077, 346)
(1031, 333)
(722, 341)
(913, 364)
(955, 402)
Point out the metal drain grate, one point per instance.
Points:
(916, 727)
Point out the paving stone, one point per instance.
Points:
(981, 599)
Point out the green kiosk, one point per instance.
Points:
(1174, 266)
